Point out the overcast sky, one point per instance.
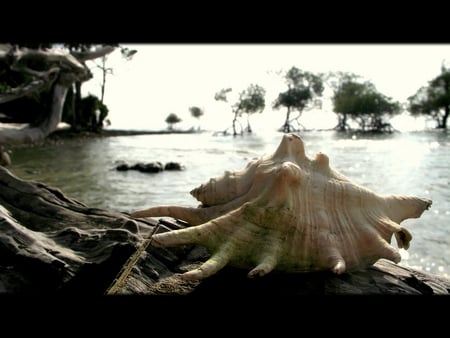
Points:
(169, 78)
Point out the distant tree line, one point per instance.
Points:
(433, 100)
(352, 100)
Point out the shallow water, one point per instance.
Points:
(416, 163)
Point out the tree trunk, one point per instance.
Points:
(38, 133)
(70, 104)
(234, 122)
(249, 128)
(445, 117)
(286, 126)
(344, 122)
(104, 70)
(78, 123)
(52, 244)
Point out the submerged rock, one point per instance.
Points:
(151, 167)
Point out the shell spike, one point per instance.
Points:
(211, 266)
(179, 237)
(403, 238)
(401, 207)
(321, 162)
(338, 265)
(291, 146)
(263, 268)
(194, 216)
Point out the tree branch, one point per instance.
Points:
(102, 51)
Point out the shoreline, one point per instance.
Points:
(68, 133)
(65, 134)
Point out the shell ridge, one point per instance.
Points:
(299, 243)
(346, 230)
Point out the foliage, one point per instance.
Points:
(365, 105)
(434, 100)
(221, 95)
(335, 80)
(4, 87)
(303, 88)
(78, 47)
(127, 53)
(251, 100)
(196, 112)
(172, 119)
(92, 113)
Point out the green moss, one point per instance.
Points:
(4, 88)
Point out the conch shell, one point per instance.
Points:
(289, 213)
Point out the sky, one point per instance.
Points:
(169, 78)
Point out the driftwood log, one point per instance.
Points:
(52, 244)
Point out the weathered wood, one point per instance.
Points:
(57, 70)
(52, 244)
